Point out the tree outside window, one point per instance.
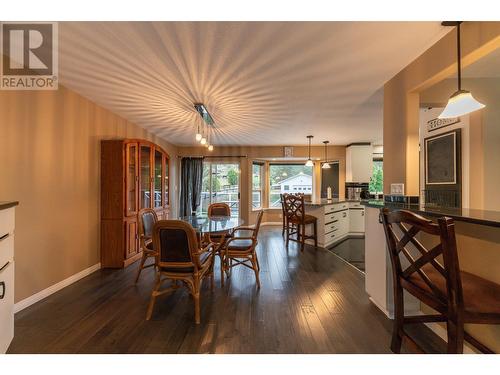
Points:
(376, 185)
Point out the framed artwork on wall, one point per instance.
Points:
(442, 155)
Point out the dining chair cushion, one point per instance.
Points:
(149, 246)
(174, 245)
(148, 220)
(204, 257)
(240, 245)
(480, 295)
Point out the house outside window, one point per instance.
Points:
(288, 178)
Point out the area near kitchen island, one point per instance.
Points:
(478, 242)
(337, 220)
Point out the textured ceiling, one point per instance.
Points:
(265, 83)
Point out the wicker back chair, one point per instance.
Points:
(180, 258)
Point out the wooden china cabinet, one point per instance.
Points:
(134, 175)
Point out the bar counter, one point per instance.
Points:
(474, 216)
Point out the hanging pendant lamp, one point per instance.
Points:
(461, 102)
(325, 164)
(198, 132)
(309, 162)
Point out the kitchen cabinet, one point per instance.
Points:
(356, 218)
(335, 221)
(359, 163)
(6, 274)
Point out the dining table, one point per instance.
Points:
(212, 225)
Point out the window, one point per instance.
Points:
(377, 180)
(288, 178)
(257, 169)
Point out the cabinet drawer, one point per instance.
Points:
(336, 216)
(6, 221)
(332, 236)
(336, 207)
(6, 250)
(332, 227)
(355, 205)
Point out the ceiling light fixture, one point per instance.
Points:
(309, 162)
(208, 122)
(461, 102)
(325, 164)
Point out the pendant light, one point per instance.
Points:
(198, 133)
(461, 102)
(309, 162)
(203, 140)
(209, 139)
(325, 164)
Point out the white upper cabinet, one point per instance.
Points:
(359, 163)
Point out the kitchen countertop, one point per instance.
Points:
(325, 202)
(469, 215)
(7, 204)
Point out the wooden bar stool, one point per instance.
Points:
(296, 220)
(434, 277)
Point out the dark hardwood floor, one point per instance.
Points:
(310, 302)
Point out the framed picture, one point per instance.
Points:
(288, 152)
(442, 158)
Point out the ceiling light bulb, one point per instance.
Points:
(309, 163)
(210, 148)
(203, 141)
(461, 103)
(198, 137)
(325, 166)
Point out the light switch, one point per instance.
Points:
(397, 189)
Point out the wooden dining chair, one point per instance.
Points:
(297, 219)
(147, 218)
(241, 250)
(434, 277)
(215, 210)
(219, 209)
(180, 258)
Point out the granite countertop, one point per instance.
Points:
(7, 204)
(469, 215)
(325, 202)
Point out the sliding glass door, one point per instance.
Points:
(221, 183)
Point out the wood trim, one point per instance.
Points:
(132, 259)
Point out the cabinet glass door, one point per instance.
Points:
(158, 179)
(145, 177)
(131, 177)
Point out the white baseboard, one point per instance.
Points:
(269, 223)
(441, 332)
(21, 305)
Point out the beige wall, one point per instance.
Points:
(259, 153)
(484, 137)
(401, 97)
(49, 152)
